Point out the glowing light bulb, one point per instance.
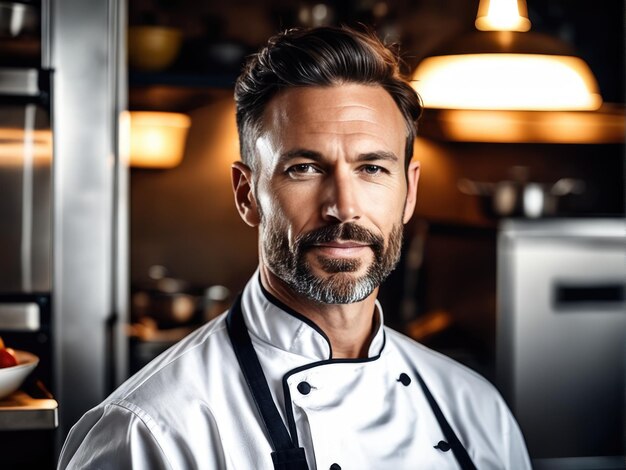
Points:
(502, 15)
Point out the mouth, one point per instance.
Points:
(341, 248)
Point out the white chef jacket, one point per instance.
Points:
(190, 408)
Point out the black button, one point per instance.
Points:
(405, 379)
(304, 388)
(443, 446)
(335, 466)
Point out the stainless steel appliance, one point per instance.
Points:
(28, 418)
(63, 217)
(25, 179)
(561, 337)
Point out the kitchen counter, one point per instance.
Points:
(21, 411)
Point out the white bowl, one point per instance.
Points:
(12, 377)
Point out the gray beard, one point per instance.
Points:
(339, 287)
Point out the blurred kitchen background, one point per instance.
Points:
(119, 234)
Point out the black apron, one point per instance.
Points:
(287, 455)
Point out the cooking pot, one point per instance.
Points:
(168, 309)
(519, 198)
(167, 300)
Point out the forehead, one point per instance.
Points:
(349, 111)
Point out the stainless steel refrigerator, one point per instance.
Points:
(561, 338)
(63, 205)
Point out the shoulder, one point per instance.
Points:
(438, 370)
(150, 414)
(174, 385)
(172, 371)
(185, 382)
(465, 397)
(471, 404)
(95, 441)
(120, 434)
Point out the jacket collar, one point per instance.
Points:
(272, 322)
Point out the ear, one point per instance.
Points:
(413, 176)
(241, 177)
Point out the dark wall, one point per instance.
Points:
(185, 218)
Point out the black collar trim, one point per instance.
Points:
(297, 315)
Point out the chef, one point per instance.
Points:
(301, 372)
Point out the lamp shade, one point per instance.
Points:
(502, 68)
(157, 139)
(507, 81)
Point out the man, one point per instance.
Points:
(301, 373)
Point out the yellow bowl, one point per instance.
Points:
(153, 48)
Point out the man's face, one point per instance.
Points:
(331, 191)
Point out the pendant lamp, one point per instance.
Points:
(504, 67)
(157, 139)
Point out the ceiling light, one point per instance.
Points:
(504, 68)
(157, 139)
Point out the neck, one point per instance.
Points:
(349, 327)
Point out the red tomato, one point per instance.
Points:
(7, 358)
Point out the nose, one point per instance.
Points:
(341, 203)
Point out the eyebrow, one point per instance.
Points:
(318, 157)
(380, 155)
(303, 153)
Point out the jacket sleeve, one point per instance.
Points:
(112, 437)
(517, 454)
(120, 436)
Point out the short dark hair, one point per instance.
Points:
(324, 56)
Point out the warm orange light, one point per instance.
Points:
(157, 140)
(16, 142)
(581, 127)
(507, 81)
(502, 15)
(124, 138)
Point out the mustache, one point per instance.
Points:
(346, 232)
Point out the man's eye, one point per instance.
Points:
(301, 169)
(373, 169)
